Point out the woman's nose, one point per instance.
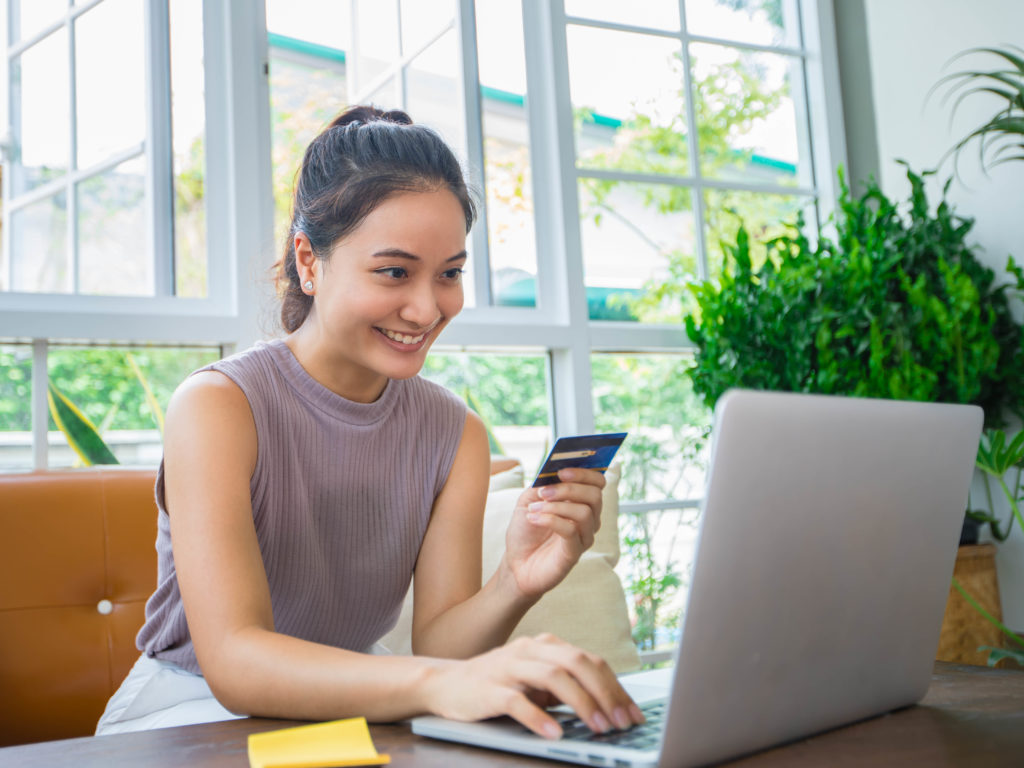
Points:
(421, 308)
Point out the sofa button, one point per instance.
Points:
(105, 607)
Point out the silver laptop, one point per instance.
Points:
(826, 546)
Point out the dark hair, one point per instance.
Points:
(360, 160)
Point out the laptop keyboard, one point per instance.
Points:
(646, 736)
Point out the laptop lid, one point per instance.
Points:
(823, 564)
(827, 541)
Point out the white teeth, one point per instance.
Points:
(401, 337)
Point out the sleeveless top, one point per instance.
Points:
(341, 496)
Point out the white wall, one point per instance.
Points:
(910, 43)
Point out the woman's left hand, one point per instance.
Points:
(551, 527)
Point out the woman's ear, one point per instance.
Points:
(305, 260)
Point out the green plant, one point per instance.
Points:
(1000, 138)
(896, 306)
(82, 435)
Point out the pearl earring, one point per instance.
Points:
(308, 285)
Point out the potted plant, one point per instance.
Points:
(896, 305)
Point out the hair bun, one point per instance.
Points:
(363, 114)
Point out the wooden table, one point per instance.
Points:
(971, 716)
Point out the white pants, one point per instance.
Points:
(159, 694)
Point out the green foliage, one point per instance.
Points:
(493, 444)
(995, 654)
(507, 389)
(15, 388)
(897, 306)
(81, 433)
(996, 459)
(1000, 138)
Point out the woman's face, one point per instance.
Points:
(387, 290)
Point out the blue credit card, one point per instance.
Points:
(588, 451)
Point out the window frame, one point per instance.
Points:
(239, 192)
(237, 175)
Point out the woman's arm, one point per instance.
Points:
(550, 528)
(209, 456)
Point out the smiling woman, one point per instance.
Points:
(306, 480)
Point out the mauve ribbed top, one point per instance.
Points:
(341, 497)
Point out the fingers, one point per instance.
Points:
(568, 508)
(582, 680)
(581, 475)
(566, 520)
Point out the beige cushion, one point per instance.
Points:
(509, 478)
(587, 609)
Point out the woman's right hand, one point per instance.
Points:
(522, 677)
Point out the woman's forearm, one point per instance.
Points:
(264, 673)
(478, 624)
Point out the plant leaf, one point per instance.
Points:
(81, 434)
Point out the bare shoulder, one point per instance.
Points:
(209, 414)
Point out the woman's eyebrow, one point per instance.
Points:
(398, 253)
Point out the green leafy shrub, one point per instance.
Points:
(895, 306)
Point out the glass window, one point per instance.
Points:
(507, 173)
(635, 238)
(627, 100)
(656, 14)
(39, 246)
(110, 89)
(35, 15)
(761, 22)
(15, 407)
(652, 398)
(188, 116)
(432, 94)
(117, 394)
(308, 86)
(664, 457)
(42, 120)
(510, 394)
(111, 227)
(746, 118)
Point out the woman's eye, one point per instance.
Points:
(453, 274)
(395, 273)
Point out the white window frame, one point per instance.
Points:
(240, 212)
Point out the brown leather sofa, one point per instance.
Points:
(77, 563)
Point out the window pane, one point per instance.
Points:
(110, 86)
(764, 216)
(432, 91)
(45, 112)
(34, 15)
(508, 176)
(103, 383)
(664, 457)
(422, 21)
(312, 21)
(763, 22)
(39, 247)
(15, 407)
(508, 391)
(652, 398)
(627, 99)
(113, 253)
(635, 238)
(307, 90)
(375, 37)
(188, 113)
(657, 14)
(746, 117)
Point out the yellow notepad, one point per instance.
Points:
(337, 743)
